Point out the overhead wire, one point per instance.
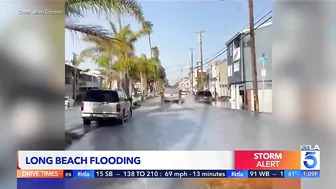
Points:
(225, 48)
(239, 8)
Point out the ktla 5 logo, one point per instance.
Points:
(310, 160)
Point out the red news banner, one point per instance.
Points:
(267, 160)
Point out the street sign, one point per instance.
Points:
(263, 72)
(263, 58)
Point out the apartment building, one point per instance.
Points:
(239, 69)
(78, 81)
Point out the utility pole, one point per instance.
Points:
(253, 58)
(200, 66)
(192, 71)
(182, 80)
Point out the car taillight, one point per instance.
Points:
(82, 107)
(118, 107)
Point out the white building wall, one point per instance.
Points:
(265, 102)
(236, 100)
(68, 90)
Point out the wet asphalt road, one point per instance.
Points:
(188, 127)
(171, 127)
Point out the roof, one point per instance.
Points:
(217, 62)
(261, 26)
(234, 37)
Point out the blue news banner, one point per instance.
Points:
(190, 174)
(71, 176)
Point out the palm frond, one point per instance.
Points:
(94, 31)
(90, 52)
(81, 7)
(113, 28)
(147, 27)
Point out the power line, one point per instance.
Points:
(225, 49)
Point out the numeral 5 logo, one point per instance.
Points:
(310, 156)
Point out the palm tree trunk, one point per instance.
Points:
(150, 45)
(121, 80)
(145, 84)
(142, 81)
(130, 87)
(126, 85)
(73, 89)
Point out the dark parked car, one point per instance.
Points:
(203, 96)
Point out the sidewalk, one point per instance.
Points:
(228, 105)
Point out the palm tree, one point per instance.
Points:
(125, 61)
(105, 64)
(148, 29)
(160, 71)
(147, 68)
(156, 53)
(78, 8)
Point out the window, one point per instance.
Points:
(203, 93)
(101, 96)
(231, 49)
(230, 71)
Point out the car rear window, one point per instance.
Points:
(171, 90)
(101, 96)
(204, 93)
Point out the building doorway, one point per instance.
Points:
(242, 96)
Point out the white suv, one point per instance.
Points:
(106, 104)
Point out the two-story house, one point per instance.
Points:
(222, 79)
(240, 68)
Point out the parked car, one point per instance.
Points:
(68, 101)
(106, 105)
(203, 96)
(171, 94)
